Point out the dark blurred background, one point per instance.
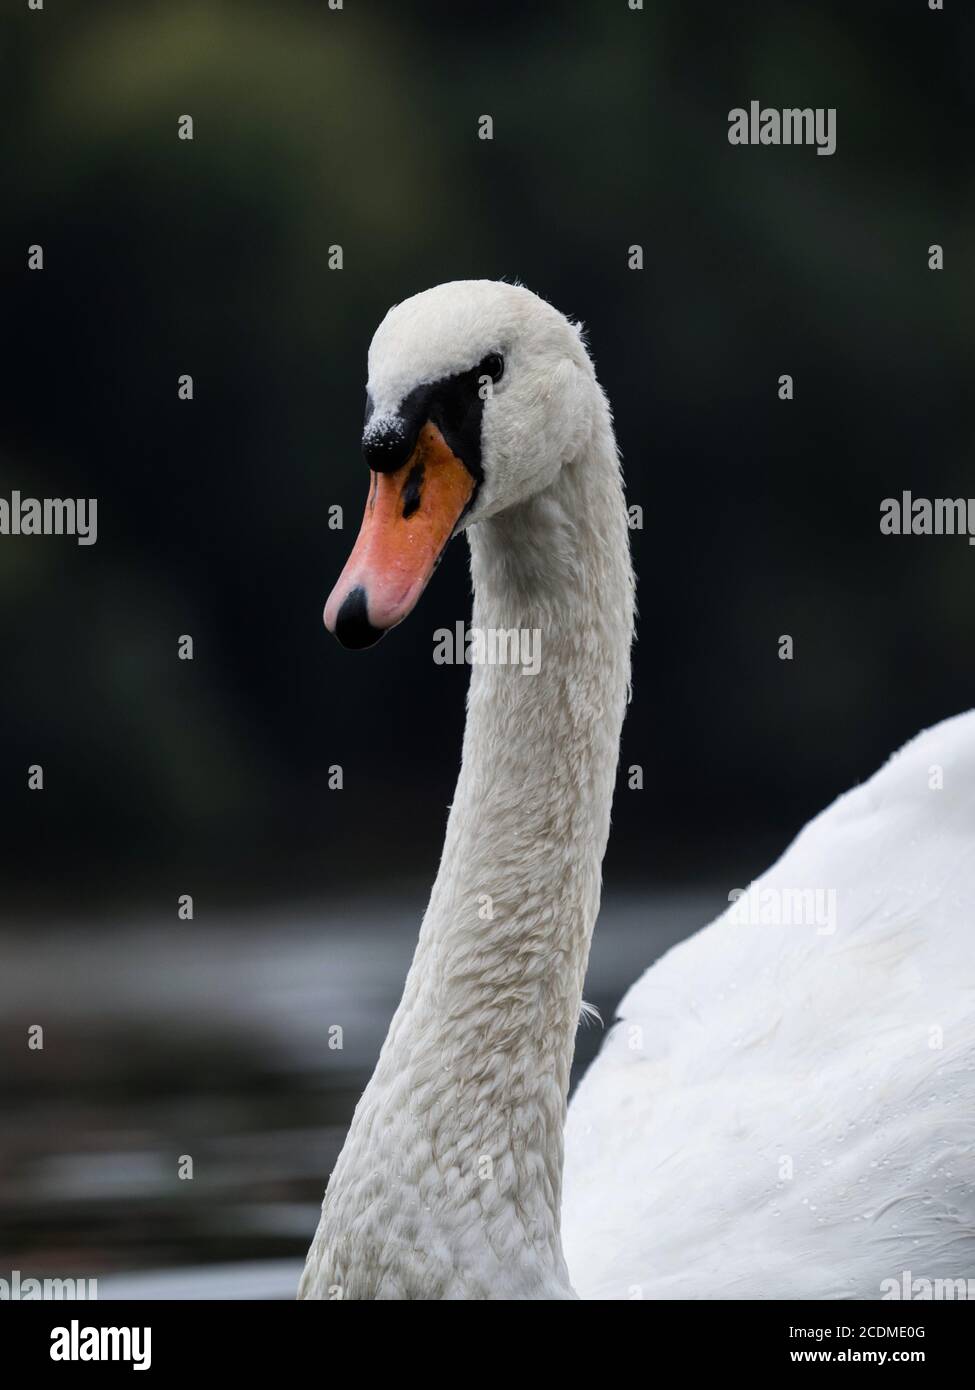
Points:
(162, 256)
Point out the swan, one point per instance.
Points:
(785, 1105)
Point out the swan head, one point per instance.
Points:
(476, 397)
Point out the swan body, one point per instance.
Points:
(788, 1110)
(773, 1098)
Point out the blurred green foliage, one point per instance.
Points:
(357, 127)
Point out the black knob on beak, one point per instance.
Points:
(386, 448)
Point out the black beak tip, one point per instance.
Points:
(352, 626)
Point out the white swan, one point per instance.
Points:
(784, 1110)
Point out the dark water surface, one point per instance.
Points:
(164, 1041)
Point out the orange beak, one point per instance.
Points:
(410, 516)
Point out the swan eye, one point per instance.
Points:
(492, 366)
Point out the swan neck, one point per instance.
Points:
(464, 1116)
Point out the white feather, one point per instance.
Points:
(785, 1111)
